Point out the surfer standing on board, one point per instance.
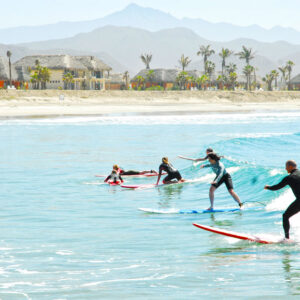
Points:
(293, 180)
(221, 177)
(171, 171)
(131, 172)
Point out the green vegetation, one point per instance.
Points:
(40, 77)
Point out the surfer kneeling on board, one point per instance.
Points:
(171, 171)
(293, 180)
(114, 177)
(222, 176)
(131, 172)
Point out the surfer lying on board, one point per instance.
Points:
(293, 180)
(131, 172)
(208, 150)
(221, 177)
(171, 171)
(114, 177)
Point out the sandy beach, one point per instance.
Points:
(48, 102)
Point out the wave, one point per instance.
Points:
(177, 119)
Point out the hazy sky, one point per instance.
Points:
(266, 13)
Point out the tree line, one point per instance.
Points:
(228, 77)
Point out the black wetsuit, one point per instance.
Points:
(172, 172)
(114, 177)
(293, 180)
(129, 172)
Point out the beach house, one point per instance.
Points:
(66, 71)
(295, 83)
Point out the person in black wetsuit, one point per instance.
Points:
(131, 172)
(293, 180)
(114, 177)
(172, 172)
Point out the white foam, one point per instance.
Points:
(64, 252)
(275, 172)
(282, 202)
(154, 277)
(230, 118)
(209, 177)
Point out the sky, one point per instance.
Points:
(266, 13)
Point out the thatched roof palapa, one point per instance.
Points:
(58, 62)
(296, 79)
(63, 62)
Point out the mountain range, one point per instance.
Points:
(126, 44)
(121, 46)
(151, 20)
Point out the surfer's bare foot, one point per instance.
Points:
(182, 180)
(241, 205)
(210, 208)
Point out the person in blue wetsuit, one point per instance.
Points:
(222, 176)
(171, 171)
(293, 180)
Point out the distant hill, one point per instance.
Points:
(151, 20)
(126, 44)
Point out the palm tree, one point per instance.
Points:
(283, 71)
(150, 75)
(232, 80)
(181, 79)
(246, 54)
(146, 59)
(210, 68)
(68, 79)
(268, 79)
(205, 51)
(231, 68)
(140, 81)
(275, 75)
(248, 71)
(8, 53)
(45, 77)
(225, 53)
(126, 78)
(184, 61)
(289, 68)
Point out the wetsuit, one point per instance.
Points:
(129, 172)
(114, 178)
(171, 171)
(293, 180)
(221, 175)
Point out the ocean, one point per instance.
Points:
(67, 235)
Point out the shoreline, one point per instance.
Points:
(40, 104)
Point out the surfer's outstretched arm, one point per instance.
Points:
(192, 159)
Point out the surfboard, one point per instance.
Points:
(153, 185)
(187, 211)
(114, 183)
(241, 236)
(142, 175)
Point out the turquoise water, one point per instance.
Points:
(65, 235)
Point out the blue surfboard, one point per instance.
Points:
(187, 211)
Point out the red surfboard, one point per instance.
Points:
(241, 236)
(142, 175)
